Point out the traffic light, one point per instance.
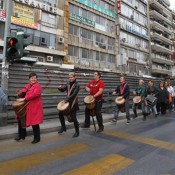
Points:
(22, 43)
(12, 51)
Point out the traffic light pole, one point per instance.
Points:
(5, 64)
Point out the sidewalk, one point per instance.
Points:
(52, 125)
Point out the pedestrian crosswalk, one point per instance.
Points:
(54, 149)
(36, 159)
(107, 165)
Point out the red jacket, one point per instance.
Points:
(34, 110)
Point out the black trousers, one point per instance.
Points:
(161, 107)
(98, 107)
(74, 120)
(22, 131)
(36, 132)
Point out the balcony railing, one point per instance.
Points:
(159, 16)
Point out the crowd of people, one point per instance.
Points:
(149, 97)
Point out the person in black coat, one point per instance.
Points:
(72, 87)
(162, 99)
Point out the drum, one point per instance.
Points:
(89, 102)
(120, 101)
(151, 100)
(20, 110)
(64, 108)
(137, 99)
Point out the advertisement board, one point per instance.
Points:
(25, 16)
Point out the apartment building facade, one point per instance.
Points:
(161, 38)
(90, 34)
(133, 36)
(44, 21)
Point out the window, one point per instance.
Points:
(73, 51)
(74, 9)
(85, 53)
(48, 19)
(74, 30)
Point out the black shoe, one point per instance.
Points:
(62, 130)
(100, 130)
(19, 138)
(144, 118)
(35, 141)
(85, 126)
(76, 134)
(156, 115)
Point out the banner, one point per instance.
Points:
(25, 16)
(97, 8)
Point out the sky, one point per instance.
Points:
(172, 4)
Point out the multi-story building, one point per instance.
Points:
(133, 36)
(161, 37)
(173, 39)
(44, 21)
(90, 35)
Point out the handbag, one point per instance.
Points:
(170, 99)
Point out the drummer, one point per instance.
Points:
(123, 91)
(72, 88)
(139, 91)
(95, 87)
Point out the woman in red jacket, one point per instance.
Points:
(34, 109)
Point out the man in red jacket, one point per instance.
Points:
(95, 87)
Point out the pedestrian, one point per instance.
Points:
(31, 94)
(170, 96)
(72, 87)
(139, 99)
(162, 99)
(95, 87)
(123, 91)
(151, 97)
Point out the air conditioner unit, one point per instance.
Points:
(60, 39)
(50, 58)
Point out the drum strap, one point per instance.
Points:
(122, 90)
(68, 94)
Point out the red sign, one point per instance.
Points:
(118, 6)
(2, 15)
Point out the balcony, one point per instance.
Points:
(161, 60)
(158, 16)
(155, 3)
(159, 48)
(161, 38)
(160, 71)
(156, 25)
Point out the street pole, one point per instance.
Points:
(5, 64)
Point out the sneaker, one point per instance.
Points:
(128, 122)
(114, 120)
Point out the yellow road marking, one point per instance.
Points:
(13, 145)
(20, 164)
(145, 140)
(107, 165)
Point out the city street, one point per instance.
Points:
(141, 148)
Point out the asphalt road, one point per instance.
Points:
(141, 148)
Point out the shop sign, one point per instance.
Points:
(82, 20)
(97, 8)
(2, 15)
(40, 5)
(25, 16)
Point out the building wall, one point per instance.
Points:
(134, 37)
(91, 33)
(44, 21)
(161, 38)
